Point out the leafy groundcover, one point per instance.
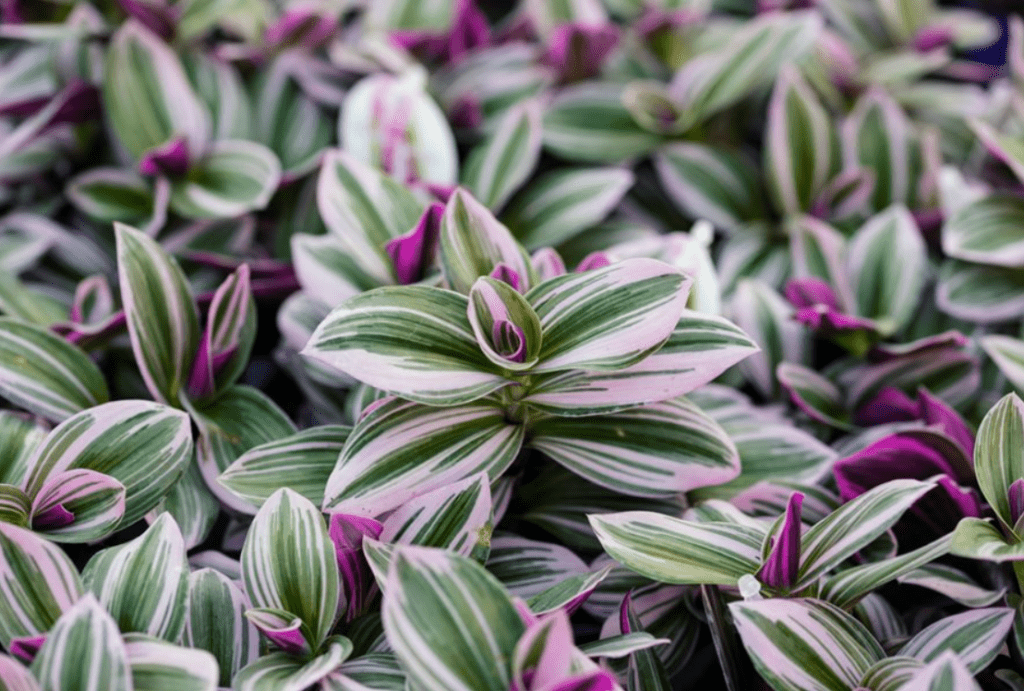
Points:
(575, 345)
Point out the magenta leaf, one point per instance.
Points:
(170, 159)
(783, 562)
(413, 253)
(347, 533)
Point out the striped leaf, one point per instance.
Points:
(456, 517)
(157, 665)
(377, 671)
(999, 455)
(891, 673)
(767, 318)
(216, 623)
(192, 506)
(588, 122)
(804, 644)
(670, 550)
(400, 450)
(111, 194)
(239, 419)
(301, 462)
(162, 320)
(474, 242)
(975, 636)
(711, 182)
(877, 136)
(415, 341)
(284, 672)
(83, 652)
(1008, 354)
(798, 157)
(147, 95)
(393, 124)
(505, 326)
(946, 673)
(559, 205)
(234, 176)
(847, 587)
(976, 538)
(1006, 148)
(748, 60)
(608, 318)
(653, 451)
(19, 438)
(978, 293)
(143, 583)
(622, 645)
(227, 340)
(45, 374)
(38, 583)
(29, 304)
(700, 348)
(954, 584)
(450, 623)
(888, 265)
(15, 506)
(78, 506)
(363, 209)
(327, 272)
(987, 231)
(288, 563)
(530, 568)
(499, 165)
(569, 593)
(143, 445)
(14, 676)
(854, 525)
(814, 394)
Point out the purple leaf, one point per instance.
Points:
(895, 456)
(548, 263)
(808, 292)
(783, 562)
(594, 260)
(624, 610)
(54, 516)
(227, 339)
(1016, 498)
(347, 533)
(935, 411)
(506, 274)
(506, 328)
(577, 50)
(281, 628)
(552, 636)
(170, 159)
(413, 253)
(157, 17)
(25, 647)
(932, 37)
(469, 30)
(303, 27)
(889, 405)
(599, 680)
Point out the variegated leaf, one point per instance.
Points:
(805, 644)
(78, 506)
(877, 136)
(975, 636)
(891, 673)
(45, 374)
(38, 583)
(670, 550)
(288, 563)
(978, 293)
(216, 623)
(226, 342)
(143, 445)
(235, 176)
(976, 538)
(987, 231)
(814, 394)
(767, 318)
(529, 568)
(652, 451)
(83, 652)
(157, 665)
(569, 593)
(15, 506)
(622, 645)
(559, 205)
(400, 450)
(161, 313)
(1008, 354)
(953, 583)
(302, 462)
(584, 316)
(415, 341)
(946, 673)
(700, 348)
(999, 455)
(147, 95)
(499, 165)
(19, 438)
(854, 525)
(450, 623)
(143, 583)
(456, 517)
(284, 672)
(192, 505)
(378, 671)
(14, 676)
(111, 194)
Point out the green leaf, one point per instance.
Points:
(415, 341)
(143, 583)
(954, 584)
(143, 445)
(622, 645)
(987, 231)
(978, 293)
(670, 550)
(450, 623)
(234, 176)
(768, 320)
(158, 665)
(193, 507)
(111, 194)
(805, 645)
(854, 525)
(284, 672)
(561, 204)
(216, 622)
(500, 164)
(15, 506)
(1008, 354)
(653, 451)
(975, 636)
(400, 450)
(302, 462)
(976, 538)
(999, 454)
(162, 320)
(147, 95)
(38, 582)
(456, 517)
(45, 374)
(288, 562)
(814, 394)
(83, 652)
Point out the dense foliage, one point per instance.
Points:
(586, 345)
